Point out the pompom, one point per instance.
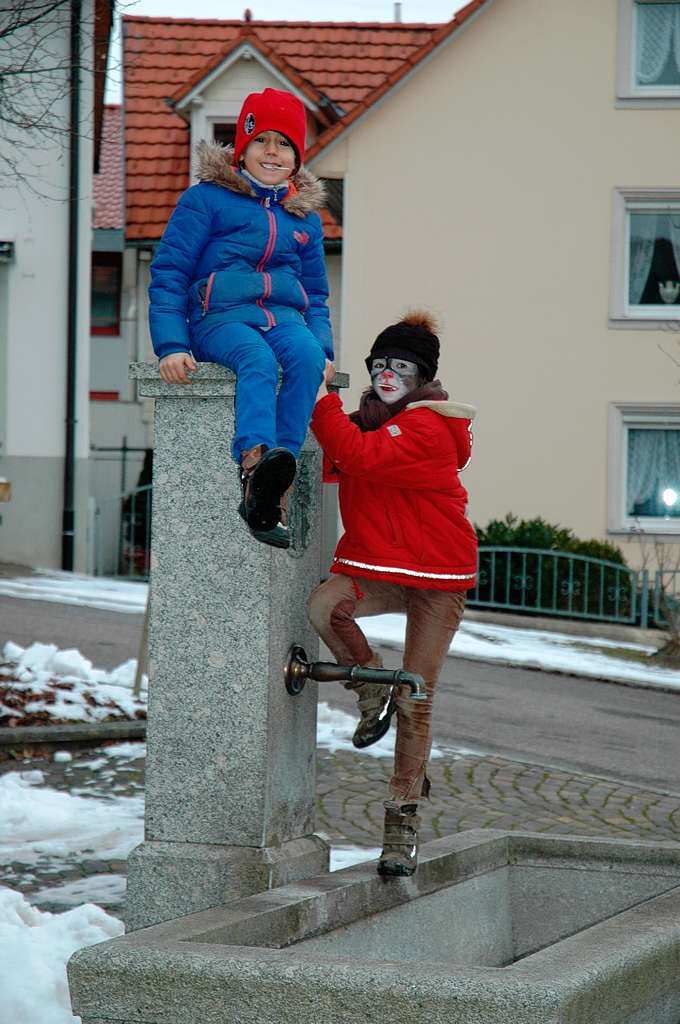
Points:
(421, 318)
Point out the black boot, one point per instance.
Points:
(377, 705)
(399, 855)
(266, 474)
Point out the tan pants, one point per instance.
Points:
(432, 618)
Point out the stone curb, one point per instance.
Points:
(82, 733)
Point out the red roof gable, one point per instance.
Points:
(345, 63)
(107, 184)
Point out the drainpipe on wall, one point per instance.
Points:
(68, 518)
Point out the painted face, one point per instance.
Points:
(393, 379)
(270, 158)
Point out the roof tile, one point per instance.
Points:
(107, 185)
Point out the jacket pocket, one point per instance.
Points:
(205, 291)
(394, 529)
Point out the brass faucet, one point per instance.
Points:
(298, 670)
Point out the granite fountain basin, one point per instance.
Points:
(502, 927)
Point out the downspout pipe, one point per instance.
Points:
(68, 516)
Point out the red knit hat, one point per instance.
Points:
(271, 111)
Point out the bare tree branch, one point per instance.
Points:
(36, 73)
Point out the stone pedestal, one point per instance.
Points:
(230, 778)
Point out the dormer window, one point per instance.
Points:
(224, 132)
(657, 45)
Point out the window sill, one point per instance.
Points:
(666, 528)
(644, 323)
(640, 101)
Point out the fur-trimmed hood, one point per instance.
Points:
(215, 165)
(453, 410)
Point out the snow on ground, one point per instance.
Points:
(90, 889)
(46, 827)
(534, 648)
(345, 856)
(73, 588)
(35, 949)
(41, 682)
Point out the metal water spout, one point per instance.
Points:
(298, 670)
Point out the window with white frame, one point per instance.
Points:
(646, 472)
(653, 257)
(649, 51)
(646, 257)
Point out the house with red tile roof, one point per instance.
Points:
(514, 170)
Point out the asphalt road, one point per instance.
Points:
(618, 732)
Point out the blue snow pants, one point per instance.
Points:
(255, 356)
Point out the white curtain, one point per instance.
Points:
(658, 34)
(653, 464)
(674, 221)
(643, 228)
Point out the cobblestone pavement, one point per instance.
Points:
(467, 792)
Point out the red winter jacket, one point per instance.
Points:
(402, 505)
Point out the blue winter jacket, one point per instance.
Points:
(235, 250)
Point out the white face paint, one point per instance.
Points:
(393, 378)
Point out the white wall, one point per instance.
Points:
(34, 214)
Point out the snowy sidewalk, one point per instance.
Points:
(587, 656)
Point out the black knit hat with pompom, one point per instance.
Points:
(412, 338)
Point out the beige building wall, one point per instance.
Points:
(483, 189)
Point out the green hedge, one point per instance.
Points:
(512, 532)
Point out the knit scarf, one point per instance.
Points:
(373, 412)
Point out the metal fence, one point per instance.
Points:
(562, 584)
(120, 534)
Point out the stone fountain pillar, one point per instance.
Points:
(230, 777)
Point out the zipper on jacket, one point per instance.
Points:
(206, 298)
(305, 297)
(266, 256)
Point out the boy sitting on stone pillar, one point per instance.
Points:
(239, 278)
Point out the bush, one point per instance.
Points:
(512, 532)
(532, 582)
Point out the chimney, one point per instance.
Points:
(397, 12)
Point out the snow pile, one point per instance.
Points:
(35, 949)
(534, 648)
(43, 826)
(73, 588)
(41, 684)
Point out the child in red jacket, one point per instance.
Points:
(407, 547)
